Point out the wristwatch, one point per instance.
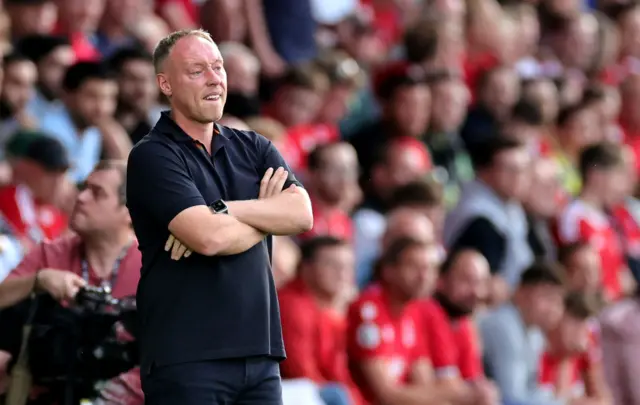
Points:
(219, 207)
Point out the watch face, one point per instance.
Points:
(219, 206)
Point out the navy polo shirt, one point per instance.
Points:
(201, 307)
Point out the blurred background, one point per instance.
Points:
(503, 137)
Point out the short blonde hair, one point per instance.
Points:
(166, 44)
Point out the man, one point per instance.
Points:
(603, 172)
(583, 267)
(386, 346)
(103, 251)
(138, 108)
(313, 320)
(29, 205)
(18, 88)
(332, 181)
(453, 341)
(571, 367)
(84, 123)
(218, 192)
(489, 217)
(243, 80)
(513, 339)
(52, 56)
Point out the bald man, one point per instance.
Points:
(453, 342)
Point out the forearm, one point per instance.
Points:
(15, 289)
(285, 214)
(238, 237)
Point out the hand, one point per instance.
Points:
(178, 249)
(486, 392)
(61, 284)
(272, 182)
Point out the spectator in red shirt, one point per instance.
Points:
(332, 181)
(39, 164)
(454, 342)
(388, 355)
(571, 366)
(313, 323)
(583, 267)
(463, 285)
(603, 172)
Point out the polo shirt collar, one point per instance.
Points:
(168, 126)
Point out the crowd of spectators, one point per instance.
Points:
(472, 166)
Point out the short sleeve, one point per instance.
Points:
(158, 183)
(31, 263)
(272, 158)
(470, 361)
(440, 341)
(365, 332)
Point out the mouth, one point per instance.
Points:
(212, 97)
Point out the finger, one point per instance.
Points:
(180, 252)
(78, 282)
(170, 241)
(273, 183)
(174, 251)
(188, 253)
(280, 183)
(264, 183)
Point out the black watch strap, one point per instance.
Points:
(219, 207)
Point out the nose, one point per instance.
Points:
(214, 78)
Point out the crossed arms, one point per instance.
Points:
(157, 170)
(275, 212)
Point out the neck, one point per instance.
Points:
(102, 250)
(519, 302)
(320, 297)
(196, 130)
(396, 301)
(592, 198)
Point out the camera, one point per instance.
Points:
(73, 348)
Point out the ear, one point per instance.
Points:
(164, 84)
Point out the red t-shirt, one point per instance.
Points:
(30, 221)
(66, 253)
(303, 139)
(373, 332)
(453, 344)
(550, 367)
(582, 222)
(314, 338)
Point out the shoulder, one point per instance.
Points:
(153, 145)
(244, 137)
(368, 306)
(62, 245)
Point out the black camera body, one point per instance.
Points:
(72, 348)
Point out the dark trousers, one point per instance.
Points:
(251, 381)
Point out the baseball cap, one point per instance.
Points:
(397, 74)
(39, 148)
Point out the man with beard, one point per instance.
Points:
(454, 343)
(138, 109)
(18, 85)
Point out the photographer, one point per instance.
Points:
(104, 251)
